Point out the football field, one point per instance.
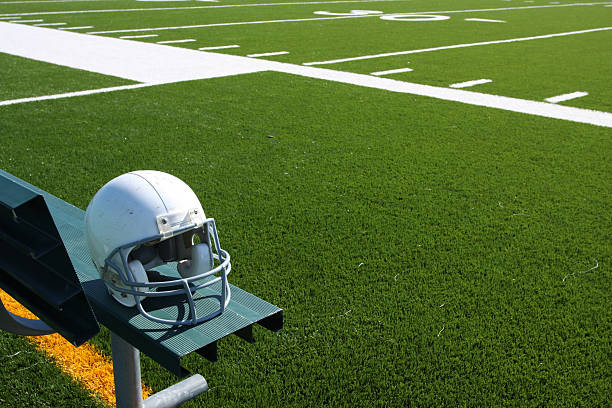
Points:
(423, 186)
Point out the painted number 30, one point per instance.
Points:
(392, 17)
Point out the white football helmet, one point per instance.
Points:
(144, 219)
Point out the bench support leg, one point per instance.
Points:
(126, 366)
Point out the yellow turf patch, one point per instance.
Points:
(85, 364)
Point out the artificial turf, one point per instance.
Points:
(26, 78)
(30, 379)
(425, 252)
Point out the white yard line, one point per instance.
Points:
(536, 108)
(268, 54)
(27, 21)
(513, 8)
(127, 37)
(199, 7)
(449, 47)
(219, 47)
(467, 84)
(48, 1)
(485, 20)
(176, 41)
(566, 97)
(156, 64)
(75, 28)
(292, 20)
(392, 71)
(10, 18)
(49, 24)
(73, 94)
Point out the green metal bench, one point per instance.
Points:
(130, 331)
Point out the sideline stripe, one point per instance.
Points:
(201, 7)
(566, 97)
(71, 94)
(27, 21)
(156, 64)
(470, 83)
(10, 18)
(448, 47)
(536, 108)
(392, 71)
(84, 364)
(268, 54)
(139, 61)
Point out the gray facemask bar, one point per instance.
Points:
(224, 267)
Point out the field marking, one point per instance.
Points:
(48, 1)
(10, 18)
(535, 108)
(72, 94)
(392, 71)
(75, 28)
(268, 54)
(27, 21)
(152, 64)
(138, 61)
(449, 47)
(413, 17)
(176, 41)
(486, 20)
(127, 37)
(352, 13)
(170, 1)
(219, 47)
(292, 20)
(517, 8)
(84, 363)
(49, 24)
(470, 83)
(390, 16)
(198, 7)
(566, 97)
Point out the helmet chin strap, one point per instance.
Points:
(201, 261)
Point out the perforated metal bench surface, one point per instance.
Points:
(165, 344)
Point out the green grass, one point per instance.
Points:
(428, 210)
(24, 78)
(425, 252)
(29, 379)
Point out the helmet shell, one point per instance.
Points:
(129, 208)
